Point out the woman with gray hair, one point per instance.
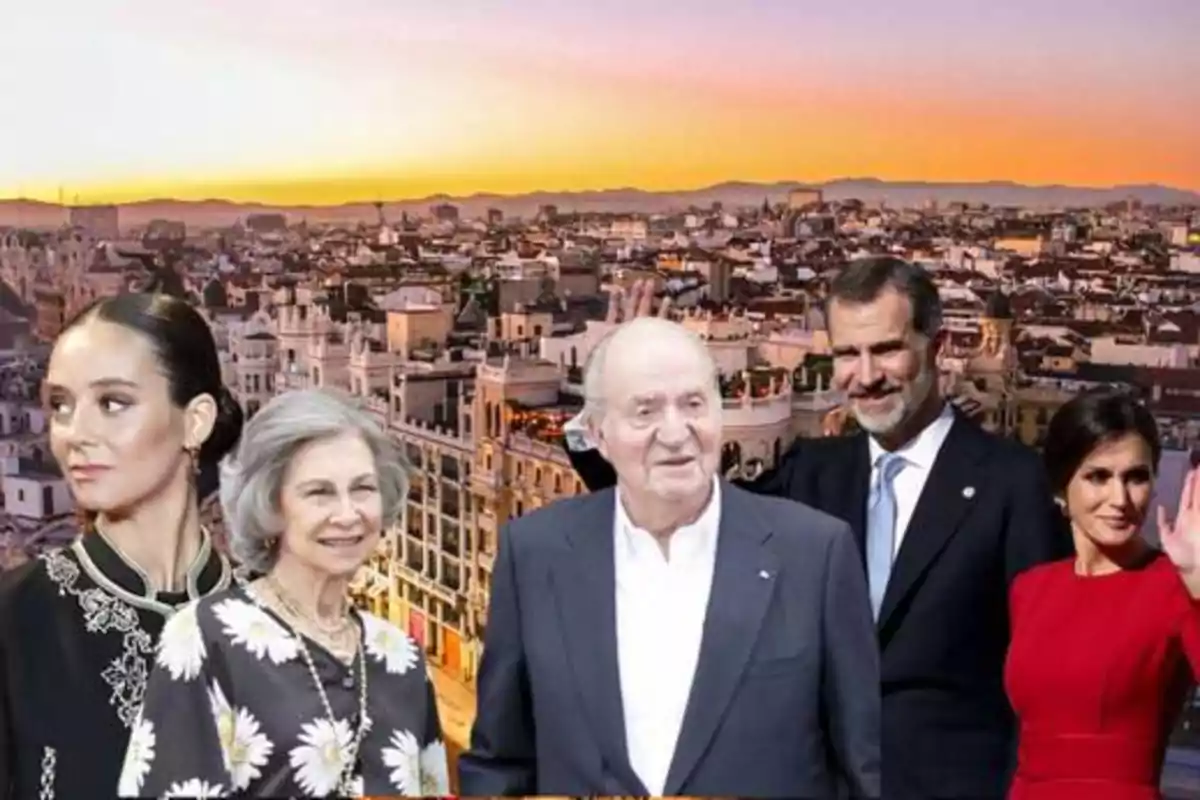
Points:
(278, 687)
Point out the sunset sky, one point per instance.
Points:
(323, 101)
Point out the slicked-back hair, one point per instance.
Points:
(186, 353)
(865, 279)
(252, 476)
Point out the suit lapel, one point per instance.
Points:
(737, 604)
(584, 583)
(948, 493)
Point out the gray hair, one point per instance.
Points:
(594, 396)
(864, 279)
(252, 476)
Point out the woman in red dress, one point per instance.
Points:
(1106, 645)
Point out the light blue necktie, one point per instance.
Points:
(881, 527)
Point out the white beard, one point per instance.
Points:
(906, 402)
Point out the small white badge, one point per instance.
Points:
(766, 576)
(969, 492)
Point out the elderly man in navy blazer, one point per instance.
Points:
(674, 635)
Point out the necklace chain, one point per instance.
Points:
(339, 627)
(346, 778)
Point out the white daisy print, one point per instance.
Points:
(195, 788)
(319, 758)
(387, 643)
(249, 626)
(435, 770)
(403, 757)
(181, 647)
(138, 756)
(244, 746)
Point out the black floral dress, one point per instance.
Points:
(233, 708)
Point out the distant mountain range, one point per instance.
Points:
(734, 194)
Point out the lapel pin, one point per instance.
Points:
(764, 575)
(969, 492)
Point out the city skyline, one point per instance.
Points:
(464, 336)
(362, 100)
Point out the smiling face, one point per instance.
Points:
(331, 507)
(887, 369)
(114, 430)
(1109, 494)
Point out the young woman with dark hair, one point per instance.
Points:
(1105, 645)
(137, 414)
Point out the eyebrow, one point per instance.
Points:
(102, 383)
(312, 482)
(871, 348)
(659, 397)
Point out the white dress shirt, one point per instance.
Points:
(919, 455)
(661, 606)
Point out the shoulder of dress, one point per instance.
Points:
(58, 552)
(41, 579)
(1164, 574)
(214, 598)
(204, 609)
(375, 621)
(1042, 574)
(211, 615)
(373, 625)
(59, 565)
(16, 581)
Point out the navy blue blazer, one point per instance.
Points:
(785, 700)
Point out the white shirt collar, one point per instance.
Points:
(695, 540)
(921, 450)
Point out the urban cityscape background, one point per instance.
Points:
(466, 336)
(1044, 172)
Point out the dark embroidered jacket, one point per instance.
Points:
(78, 629)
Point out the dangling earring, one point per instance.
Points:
(194, 457)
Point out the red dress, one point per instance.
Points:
(1097, 672)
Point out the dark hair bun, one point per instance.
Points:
(226, 430)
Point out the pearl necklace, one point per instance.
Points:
(345, 785)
